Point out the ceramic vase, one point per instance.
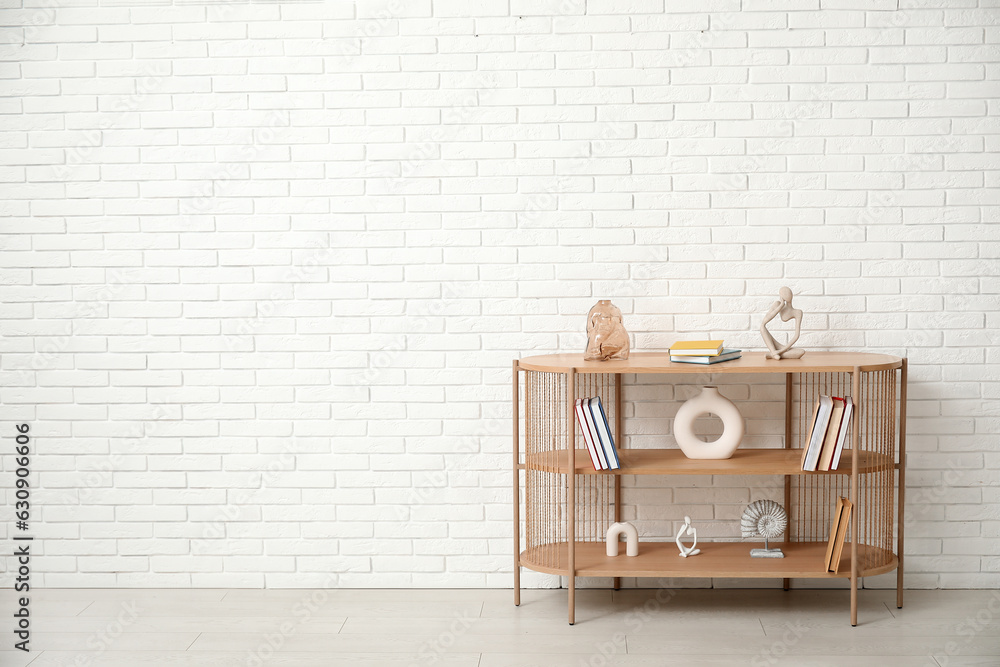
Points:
(606, 335)
(631, 539)
(709, 401)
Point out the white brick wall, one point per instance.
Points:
(265, 266)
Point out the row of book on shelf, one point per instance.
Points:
(828, 433)
(702, 352)
(597, 433)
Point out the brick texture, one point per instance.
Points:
(265, 266)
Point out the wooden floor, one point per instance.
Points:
(482, 628)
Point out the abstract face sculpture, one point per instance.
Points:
(606, 335)
(782, 308)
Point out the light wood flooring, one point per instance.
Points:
(482, 628)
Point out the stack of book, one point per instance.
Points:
(702, 352)
(597, 433)
(838, 534)
(828, 433)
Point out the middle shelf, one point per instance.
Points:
(673, 462)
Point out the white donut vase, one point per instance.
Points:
(709, 401)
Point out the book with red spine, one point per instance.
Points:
(832, 433)
(589, 434)
(845, 432)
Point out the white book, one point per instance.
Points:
(818, 433)
(845, 433)
(604, 430)
(588, 433)
(726, 355)
(598, 446)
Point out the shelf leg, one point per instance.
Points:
(854, 602)
(855, 489)
(902, 486)
(517, 490)
(572, 600)
(571, 489)
(786, 583)
(620, 439)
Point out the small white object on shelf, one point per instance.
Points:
(709, 401)
(767, 519)
(690, 531)
(631, 539)
(782, 308)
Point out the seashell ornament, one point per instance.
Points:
(767, 519)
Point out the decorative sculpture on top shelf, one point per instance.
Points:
(767, 519)
(606, 335)
(690, 531)
(782, 308)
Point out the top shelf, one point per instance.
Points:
(750, 362)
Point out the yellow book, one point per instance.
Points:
(834, 528)
(838, 548)
(696, 348)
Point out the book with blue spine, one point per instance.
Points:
(604, 431)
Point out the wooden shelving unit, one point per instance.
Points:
(567, 515)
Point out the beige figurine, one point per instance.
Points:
(782, 308)
(606, 335)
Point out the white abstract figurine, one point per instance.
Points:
(631, 539)
(782, 308)
(691, 531)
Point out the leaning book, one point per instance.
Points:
(604, 432)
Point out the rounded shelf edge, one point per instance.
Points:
(750, 362)
(797, 566)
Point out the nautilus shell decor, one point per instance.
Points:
(767, 519)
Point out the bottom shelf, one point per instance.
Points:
(717, 559)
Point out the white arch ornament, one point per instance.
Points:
(631, 539)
